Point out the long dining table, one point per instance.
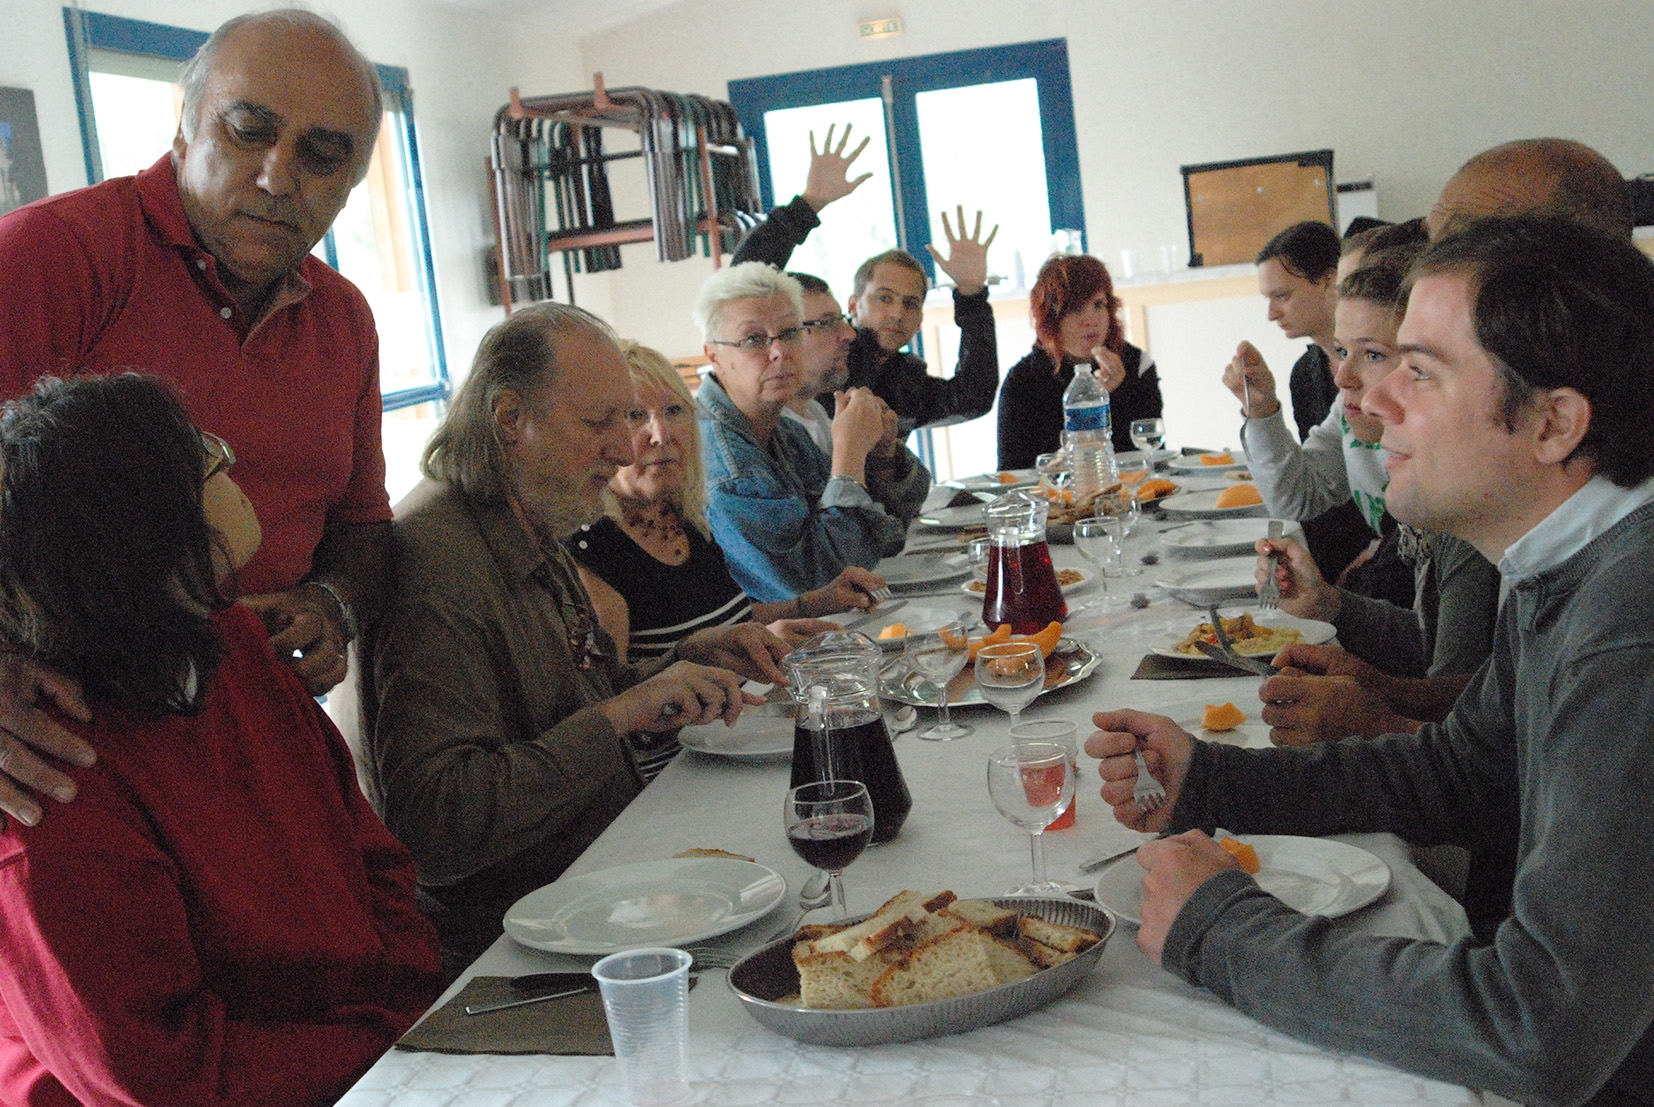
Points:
(1130, 1034)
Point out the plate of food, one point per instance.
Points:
(1208, 582)
(1264, 636)
(1067, 579)
(1316, 876)
(1224, 722)
(651, 903)
(921, 570)
(1223, 537)
(764, 732)
(1235, 501)
(1211, 461)
(1069, 663)
(892, 633)
(921, 967)
(1003, 481)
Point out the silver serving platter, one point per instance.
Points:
(1071, 661)
(766, 975)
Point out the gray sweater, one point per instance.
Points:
(1545, 771)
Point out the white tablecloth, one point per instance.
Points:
(1133, 1034)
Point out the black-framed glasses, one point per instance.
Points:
(220, 457)
(753, 343)
(825, 322)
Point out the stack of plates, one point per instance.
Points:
(1222, 537)
(923, 572)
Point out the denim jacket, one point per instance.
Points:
(785, 524)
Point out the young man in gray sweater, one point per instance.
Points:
(1517, 421)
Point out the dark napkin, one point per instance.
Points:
(572, 1025)
(1154, 666)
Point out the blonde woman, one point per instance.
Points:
(651, 567)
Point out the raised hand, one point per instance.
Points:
(1303, 592)
(1248, 366)
(1111, 371)
(967, 260)
(829, 177)
(1167, 749)
(858, 424)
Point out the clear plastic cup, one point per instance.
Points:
(646, 999)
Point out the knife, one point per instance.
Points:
(883, 609)
(1235, 660)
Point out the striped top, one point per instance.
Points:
(666, 603)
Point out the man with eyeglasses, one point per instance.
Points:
(788, 516)
(888, 304)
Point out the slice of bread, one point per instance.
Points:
(896, 917)
(1068, 939)
(838, 982)
(956, 964)
(1043, 955)
(1000, 921)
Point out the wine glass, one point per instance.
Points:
(829, 823)
(1121, 505)
(1031, 782)
(1010, 675)
(1149, 435)
(939, 657)
(1098, 540)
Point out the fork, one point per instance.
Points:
(712, 957)
(1269, 595)
(1148, 793)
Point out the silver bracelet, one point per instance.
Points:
(346, 616)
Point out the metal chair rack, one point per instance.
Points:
(551, 195)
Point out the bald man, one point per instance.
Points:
(1536, 176)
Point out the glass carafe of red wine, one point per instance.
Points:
(1022, 585)
(840, 733)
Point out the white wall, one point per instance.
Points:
(460, 63)
(1402, 90)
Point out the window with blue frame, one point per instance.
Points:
(125, 82)
(989, 129)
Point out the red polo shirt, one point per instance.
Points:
(110, 278)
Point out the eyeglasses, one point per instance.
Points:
(825, 323)
(753, 343)
(218, 454)
(674, 414)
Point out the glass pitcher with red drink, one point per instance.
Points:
(1022, 585)
(840, 733)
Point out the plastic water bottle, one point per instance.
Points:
(1087, 434)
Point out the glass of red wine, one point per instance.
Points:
(829, 823)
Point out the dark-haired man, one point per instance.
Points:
(1517, 422)
(888, 303)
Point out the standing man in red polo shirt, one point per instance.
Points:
(198, 270)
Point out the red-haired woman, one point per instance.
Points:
(1075, 316)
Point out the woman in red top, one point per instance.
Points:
(219, 917)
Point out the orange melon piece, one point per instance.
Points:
(1002, 633)
(1245, 854)
(1239, 495)
(1046, 639)
(1225, 716)
(1217, 459)
(1007, 478)
(1154, 489)
(894, 630)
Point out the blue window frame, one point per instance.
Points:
(1045, 61)
(89, 31)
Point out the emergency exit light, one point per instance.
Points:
(881, 28)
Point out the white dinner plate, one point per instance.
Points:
(762, 733)
(1252, 734)
(917, 620)
(1204, 505)
(990, 482)
(1314, 632)
(978, 588)
(956, 518)
(1181, 464)
(1223, 537)
(1209, 582)
(1316, 876)
(651, 903)
(921, 570)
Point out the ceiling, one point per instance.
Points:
(580, 17)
